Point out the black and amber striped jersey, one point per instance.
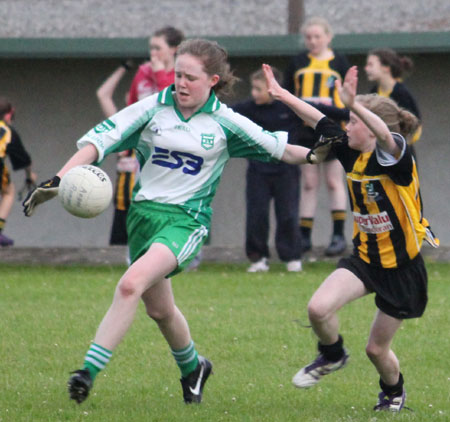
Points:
(388, 225)
(126, 176)
(5, 139)
(313, 79)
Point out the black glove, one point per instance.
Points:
(329, 134)
(45, 191)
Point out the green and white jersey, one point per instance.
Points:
(181, 160)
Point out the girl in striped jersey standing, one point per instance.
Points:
(310, 76)
(389, 229)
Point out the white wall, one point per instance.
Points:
(56, 104)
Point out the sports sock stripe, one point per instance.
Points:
(186, 359)
(185, 351)
(97, 356)
(96, 359)
(94, 362)
(101, 350)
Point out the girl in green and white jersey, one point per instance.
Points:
(183, 137)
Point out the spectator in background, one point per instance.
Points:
(127, 164)
(151, 77)
(310, 76)
(386, 68)
(265, 181)
(11, 145)
(158, 73)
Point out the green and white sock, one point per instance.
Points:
(96, 359)
(186, 359)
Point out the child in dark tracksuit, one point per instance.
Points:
(265, 181)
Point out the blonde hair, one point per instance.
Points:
(396, 118)
(317, 20)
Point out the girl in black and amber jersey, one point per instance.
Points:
(388, 233)
(311, 76)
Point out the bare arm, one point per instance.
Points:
(309, 114)
(86, 155)
(106, 90)
(295, 154)
(347, 93)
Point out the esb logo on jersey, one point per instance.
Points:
(373, 223)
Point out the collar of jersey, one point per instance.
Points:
(166, 97)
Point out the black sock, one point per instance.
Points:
(306, 225)
(338, 217)
(393, 390)
(332, 352)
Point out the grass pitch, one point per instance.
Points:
(251, 326)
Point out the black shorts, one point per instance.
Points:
(399, 292)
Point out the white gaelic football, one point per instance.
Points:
(85, 191)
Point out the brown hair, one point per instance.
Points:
(396, 63)
(215, 61)
(259, 75)
(396, 118)
(173, 36)
(5, 107)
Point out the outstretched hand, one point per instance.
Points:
(274, 88)
(347, 90)
(45, 191)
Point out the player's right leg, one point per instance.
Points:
(148, 270)
(195, 369)
(340, 288)
(393, 395)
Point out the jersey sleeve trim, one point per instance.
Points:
(384, 158)
(121, 131)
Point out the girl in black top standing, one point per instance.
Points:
(386, 68)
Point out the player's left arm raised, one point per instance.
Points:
(347, 93)
(295, 154)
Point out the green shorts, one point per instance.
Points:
(151, 222)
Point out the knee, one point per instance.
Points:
(127, 286)
(160, 314)
(374, 351)
(309, 185)
(318, 311)
(335, 185)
